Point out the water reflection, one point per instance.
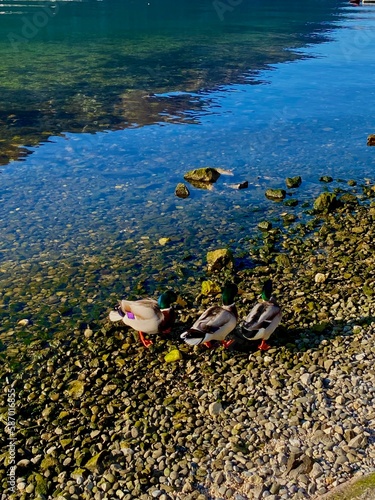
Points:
(90, 66)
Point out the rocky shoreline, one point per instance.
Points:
(98, 416)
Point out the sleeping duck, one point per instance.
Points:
(263, 319)
(147, 315)
(216, 322)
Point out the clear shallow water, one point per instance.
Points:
(81, 216)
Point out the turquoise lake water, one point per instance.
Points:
(105, 105)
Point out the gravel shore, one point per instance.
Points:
(100, 417)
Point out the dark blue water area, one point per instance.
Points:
(309, 117)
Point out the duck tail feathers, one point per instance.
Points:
(115, 316)
(193, 337)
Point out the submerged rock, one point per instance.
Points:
(265, 225)
(326, 178)
(182, 191)
(219, 259)
(293, 182)
(275, 194)
(205, 174)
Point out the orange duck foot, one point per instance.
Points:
(227, 343)
(144, 341)
(264, 346)
(209, 344)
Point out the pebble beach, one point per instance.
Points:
(98, 416)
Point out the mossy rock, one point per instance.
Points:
(326, 178)
(265, 225)
(349, 199)
(210, 288)
(275, 194)
(293, 182)
(219, 259)
(93, 464)
(76, 389)
(292, 202)
(182, 190)
(173, 356)
(325, 202)
(41, 487)
(282, 260)
(205, 174)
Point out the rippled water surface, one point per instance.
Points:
(105, 105)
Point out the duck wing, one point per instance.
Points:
(214, 324)
(261, 321)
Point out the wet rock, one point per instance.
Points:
(293, 182)
(164, 241)
(325, 202)
(205, 174)
(326, 178)
(275, 194)
(292, 202)
(240, 185)
(219, 259)
(265, 225)
(182, 190)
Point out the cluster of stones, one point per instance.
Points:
(99, 417)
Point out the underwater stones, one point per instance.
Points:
(164, 241)
(219, 259)
(182, 190)
(206, 175)
(326, 178)
(349, 199)
(275, 194)
(371, 140)
(292, 202)
(265, 225)
(325, 202)
(293, 182)
(240, 185)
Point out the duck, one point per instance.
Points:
(216, 322)
(263, 319)
(147, 315)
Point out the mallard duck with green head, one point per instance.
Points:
(147, 315)
(216, 322)
(263, 319)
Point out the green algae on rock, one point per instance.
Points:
(182, 190)
(293, 182)
(325, 202)
(219, 259)
(275, 194)
(204, 174)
